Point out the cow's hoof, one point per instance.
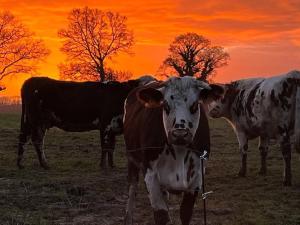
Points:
(262, 172)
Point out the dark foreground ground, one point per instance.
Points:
(76, 191)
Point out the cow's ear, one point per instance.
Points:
(213, 93)
(231, 91)
(150, 97)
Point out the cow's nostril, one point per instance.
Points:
(177, 125)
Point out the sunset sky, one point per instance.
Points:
(262, 37)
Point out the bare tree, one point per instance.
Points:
(91, 38)
(191, 54)
(20, 51)
(82, 72)
(77, 71)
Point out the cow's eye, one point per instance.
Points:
(194, 107)
(167, 107)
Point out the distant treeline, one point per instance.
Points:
(11, 100)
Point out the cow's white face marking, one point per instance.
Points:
(180, 99)
(218, 108)
(181, 112)
(116, 124)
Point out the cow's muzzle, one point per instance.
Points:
(180, 137)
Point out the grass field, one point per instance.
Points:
(76, 191)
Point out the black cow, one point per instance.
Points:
(70, 106)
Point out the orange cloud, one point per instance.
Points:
(262, 37)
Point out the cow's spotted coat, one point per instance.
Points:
(268, 108)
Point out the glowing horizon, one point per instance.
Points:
(262, 37)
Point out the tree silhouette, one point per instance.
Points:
(20, 51)
(191, 54)
(91, 38)
(82, 72)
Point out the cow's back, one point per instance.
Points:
(73, 106)
(68, 100)
(263, 106)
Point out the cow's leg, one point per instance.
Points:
(103, 149)
(38, 134)
(103, 158)
(112, 144)
(187, 206)
(243, 147)
(285, 147)
(263, 148)
(23, 138)
(108, 142)
(157, 199)
(133, 179)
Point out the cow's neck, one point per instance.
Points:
(177, 168)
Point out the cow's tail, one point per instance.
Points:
(24, 123)
(297, 117)
(23, 115)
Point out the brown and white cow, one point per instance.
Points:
(268, 108)
(166, 130)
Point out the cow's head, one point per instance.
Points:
(180, 99)
(114, 128)
(221, 107)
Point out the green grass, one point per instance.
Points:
(76, 191)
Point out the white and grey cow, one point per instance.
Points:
(165, 131)
(268, 108)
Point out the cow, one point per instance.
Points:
(115, 127)
(165, 131)
(70, 106)
(268, 108)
